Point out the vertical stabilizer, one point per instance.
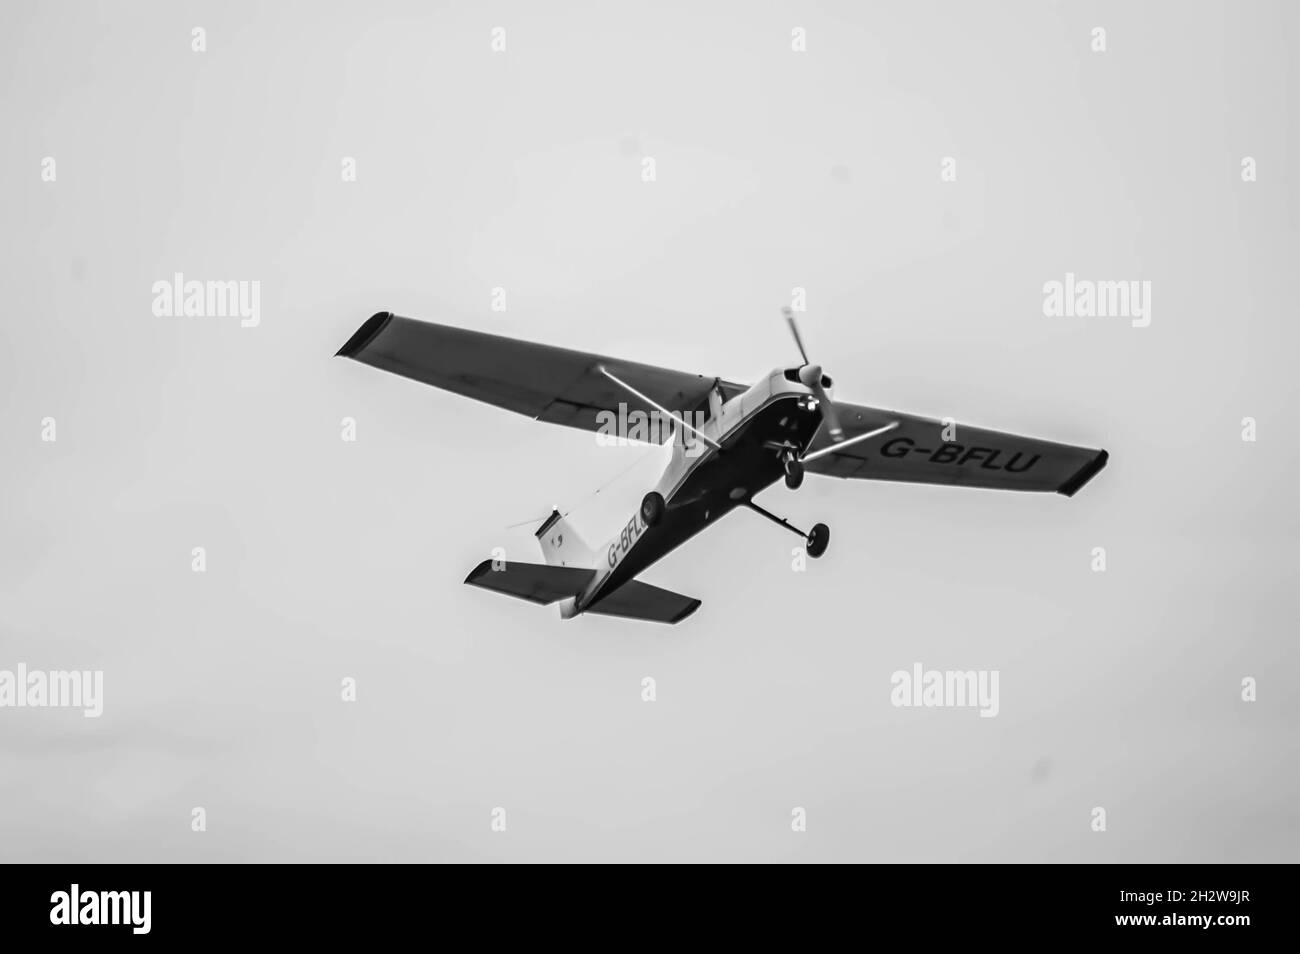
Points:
(560, 543)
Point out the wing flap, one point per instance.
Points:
(535, 582)
(637, 600)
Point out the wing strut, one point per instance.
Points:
(661, 409)
(809, 458)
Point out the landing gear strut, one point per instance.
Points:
(652, 508)
(816, 542)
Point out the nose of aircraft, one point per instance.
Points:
(810, 375)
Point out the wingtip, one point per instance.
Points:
(477, 573)
(1084, 474)
(694, 605)
(365, 334)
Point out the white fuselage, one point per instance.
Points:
(725, 422)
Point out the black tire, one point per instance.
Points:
(652, 508)
(793, 474)
(819, 540)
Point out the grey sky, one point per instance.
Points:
(522, 170)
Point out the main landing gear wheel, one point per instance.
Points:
(652, 508)
(819, 540)
(815, 543)
(793, 474)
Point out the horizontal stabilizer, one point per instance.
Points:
(534, 582)
(637, 600)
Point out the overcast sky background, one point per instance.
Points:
(522, 170)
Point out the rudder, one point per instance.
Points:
(560, 543)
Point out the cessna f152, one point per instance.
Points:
(744, 438)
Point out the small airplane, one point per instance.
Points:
(743, 439)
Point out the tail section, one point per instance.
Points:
(570, 574)
(531, 581)
(561, 545)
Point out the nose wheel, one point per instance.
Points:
(793, 471)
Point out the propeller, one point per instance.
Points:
(810, 375)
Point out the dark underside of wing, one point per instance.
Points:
(916, 452)
(535, 582)
(551, 384)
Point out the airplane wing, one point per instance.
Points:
(550, 384)
(915, 452)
